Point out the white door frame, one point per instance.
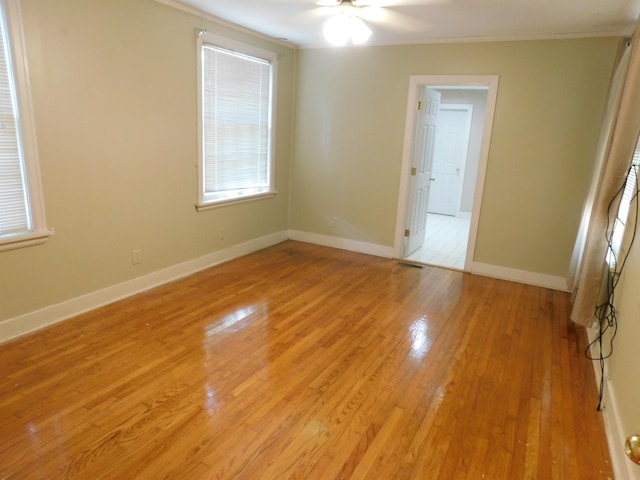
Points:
(489, 82)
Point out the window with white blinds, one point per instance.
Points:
(629, 197)
(236, 128)
(21, 210)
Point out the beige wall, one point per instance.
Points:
(114, 93)
(349, 132)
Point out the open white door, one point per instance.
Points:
(421, 161)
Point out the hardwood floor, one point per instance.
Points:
(307, 362)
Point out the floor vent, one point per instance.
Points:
(412, 265)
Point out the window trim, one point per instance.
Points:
(205, 38)
(39, 232)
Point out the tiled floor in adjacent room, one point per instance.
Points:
(445, 242)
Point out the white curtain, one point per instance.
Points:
(615, 151)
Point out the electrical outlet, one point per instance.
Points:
(136, 256)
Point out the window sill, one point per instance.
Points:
(22, 241)
(232, 201)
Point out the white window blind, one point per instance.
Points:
(236, 124)
(622, 217)
(15, 217)
(22, 217)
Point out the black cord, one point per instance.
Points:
(605, 313)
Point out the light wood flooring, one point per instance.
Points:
(307, 362)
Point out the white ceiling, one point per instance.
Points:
(420, 21)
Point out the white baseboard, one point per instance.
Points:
(504, 273)
(622, 467)
(342, 243)
(18, 326)
(30, 322)
(520, 276)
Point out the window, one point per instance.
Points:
(629, 195)
(236, 101)
(22, 220)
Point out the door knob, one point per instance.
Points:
(632, 448)
(432, 179)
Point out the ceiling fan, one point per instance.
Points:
(348, 16)
(346, 25)
(355, 3)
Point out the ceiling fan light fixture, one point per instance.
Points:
(360, 33)
(343, 27)
(337, 30)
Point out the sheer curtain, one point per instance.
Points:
(614, 155)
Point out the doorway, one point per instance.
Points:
(456, 169)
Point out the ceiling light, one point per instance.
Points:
(344, 27)
(360, 33)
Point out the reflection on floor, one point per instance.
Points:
(445, 242)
